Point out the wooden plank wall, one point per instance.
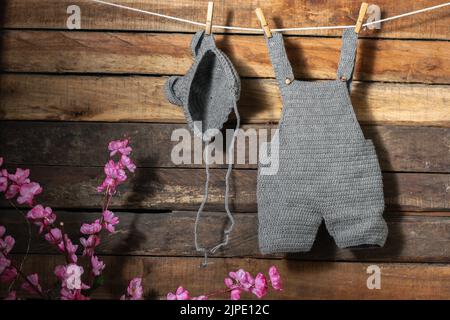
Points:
(65, 94)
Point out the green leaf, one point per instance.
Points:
(98, 282)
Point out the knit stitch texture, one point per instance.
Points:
(327, 169)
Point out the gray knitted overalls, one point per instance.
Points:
(327, 169)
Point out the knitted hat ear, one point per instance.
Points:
(173, 89)
(201, 43)
(196, 43)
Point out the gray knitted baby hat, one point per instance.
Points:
(210, 89)
(208, 93)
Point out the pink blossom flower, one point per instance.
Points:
(60, 273)
(54, 236)
(229, 283)
(128, 163)
(89, 244)
(7, 244)
(120, 146)
(97, 266)
(72, 278)
(42, 217)
(275, 278)
(11, 296)
(115, 171)
(109, 220)
(235, 294)
(2, 231)
(71, 249)
(115, 175)
(12, 191)
(4, 263)
(200, 298)
(38, 212)
(180, 294)
(1, 161)
(260, 288)
(3, 184)
(108, 184)
(111, 169)
(67, 294)
(8, 275)
(20, 177)
(134, 290)
(31, 289)
(92, 228)
(20, 183)
(27, 193)
(171, 296)
(244, 279)
(68, 247)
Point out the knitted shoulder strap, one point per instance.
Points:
(280, 62)
(348, 55)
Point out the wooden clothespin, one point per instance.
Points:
(209, 18)
(263, 22)
(362, 13)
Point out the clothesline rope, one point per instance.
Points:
(277, 30)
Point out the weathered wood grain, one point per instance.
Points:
(155, 53)
(411, 239)
(182, 189)
(302, 280)
(399, 148)
(142, 99)
(281, 14)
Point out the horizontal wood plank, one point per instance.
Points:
(411, 239)
(302, 280)
(280, 14)
(399, 148)
(155, 53)
(142, 99)
(182, 189)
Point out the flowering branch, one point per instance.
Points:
(19, 186)
(8, 271)
(236, 283)
(115, 175)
